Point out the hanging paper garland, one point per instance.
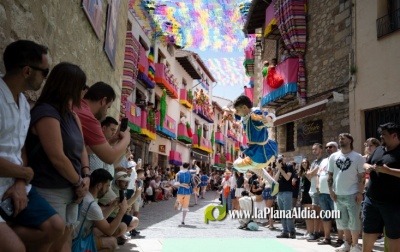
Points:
(212, 140)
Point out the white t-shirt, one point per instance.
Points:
(94, 214)
(323, 176)
(149, 191)
(313, 186)
(131, 185)
(345, 169)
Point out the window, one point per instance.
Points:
(376, 117)
(290, 136)
(389, 17)
(170, 49)
(144, 44)
(161, 57)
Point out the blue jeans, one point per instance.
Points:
(227, 201)
(285, 203)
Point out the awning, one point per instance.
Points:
(312, 108)
(200, 155)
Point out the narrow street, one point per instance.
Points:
(161, 231)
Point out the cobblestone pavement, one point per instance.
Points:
(159, 221)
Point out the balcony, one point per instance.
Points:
(134, 115)
(205, 144)
(169, 126)
(175, 158)
(228, 157)
(183, 134)
(165, 79)
(271, 30)
(232, 136)
(249, 60)
(276, 97)
(144, 70)
(237, 146)
(388, 24)
(219, 160)
(148, 127)
(220, 138)
(186, 98)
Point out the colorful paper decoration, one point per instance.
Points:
(196, 23)
(228, 71)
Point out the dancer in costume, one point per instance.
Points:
(261, 150)
(183, 177)
(194, 171)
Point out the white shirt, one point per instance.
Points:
(132, 184)
(345, 169)
(323, 176)
(14, 125)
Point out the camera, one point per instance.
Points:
(280, 160)
(121, 195)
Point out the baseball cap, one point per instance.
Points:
(123, 176)
(131, 164)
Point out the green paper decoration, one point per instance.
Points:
(163, 107)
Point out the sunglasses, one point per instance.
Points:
(45, 72)
(329, 147)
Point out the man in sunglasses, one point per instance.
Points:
(38, 224)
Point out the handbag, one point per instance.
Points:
(87, 243)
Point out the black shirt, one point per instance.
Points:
(286, 185)
(305, 184)
(240, 182)
(256, 185)
(383, 187)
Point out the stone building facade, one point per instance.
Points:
(64, 27)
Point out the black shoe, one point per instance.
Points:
(243, 226)
(312, 237)
(292, 235)
(283, 235)
(183, 223)
(134, 232)
(121, 240)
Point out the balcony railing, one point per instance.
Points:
(388, 24)
(237, 146)
(219, 160)
(175, 158)
(165, 79)
(204, 112)
(183, 134)
(275, 97)
(249, 60)
(134, 115)
(204, 144)
(232, 136)
(185, 100)
(139, 121)
(219, 138)
(271, 30)
(144, 70)
(169, 126)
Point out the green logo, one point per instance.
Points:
(208, 213)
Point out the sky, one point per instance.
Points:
(221, 88)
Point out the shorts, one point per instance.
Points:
(266, 194)
(233, 193)
(314, 199)
(203, 184)
(306, 199)
(376, 215)
(238, 192)
(37, 211)
(127, 219)
(326, 204)
(184, 200)
(349, 212)
(62, 200)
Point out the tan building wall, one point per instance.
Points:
(64, 28)
(328, 57)
(377, 78)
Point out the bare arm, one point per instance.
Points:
(109, 154)
(138, 192)
(386, 169)
(330, 181)
(11, 170)
(107, 210)
(109, 228)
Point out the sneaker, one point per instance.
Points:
(312, 237)
(243, 226)
(304, 237)
(292, 235)
(283, 235)
(134, 232)
(355, 248)
(325, 241)
(344, 248)
(339, 242)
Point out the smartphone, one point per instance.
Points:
(7, 208)
(121, 195)
(124, 124)
(139, 160)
